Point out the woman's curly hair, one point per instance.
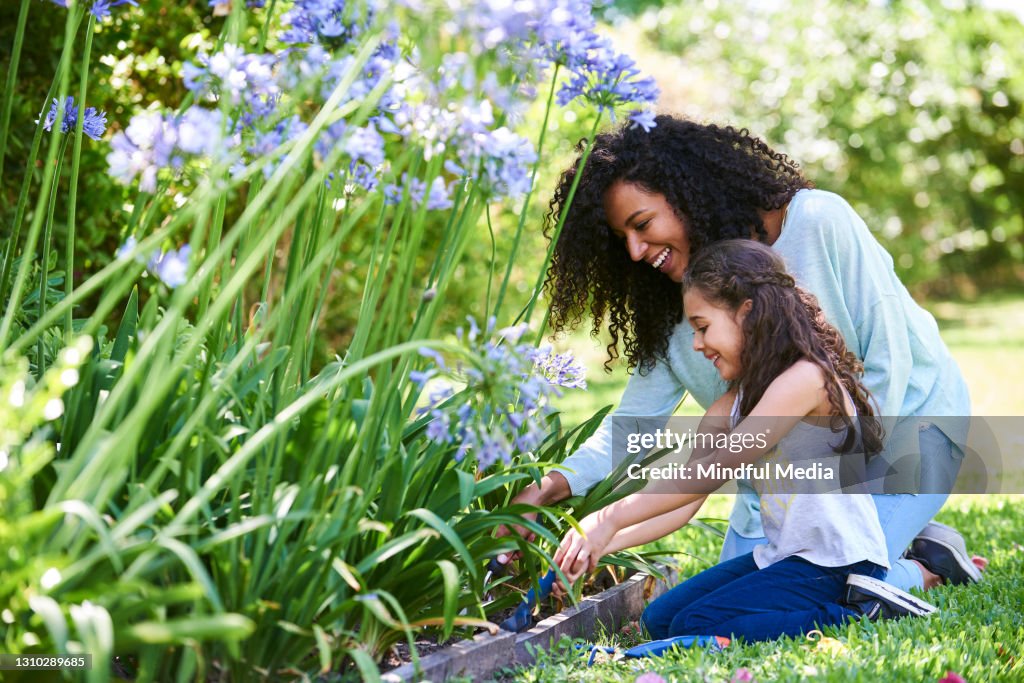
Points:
(785, 324)
(718, 178)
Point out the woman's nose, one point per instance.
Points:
(635, 245)
(698, 341)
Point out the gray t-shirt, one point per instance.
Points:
(829, 529)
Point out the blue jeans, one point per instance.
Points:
(901, 515)
(736, 599)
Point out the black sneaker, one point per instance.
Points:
(941, 549)
(878, 600)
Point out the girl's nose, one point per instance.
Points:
(698, 342)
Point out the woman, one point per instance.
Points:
(645, 202)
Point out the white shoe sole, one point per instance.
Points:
(951, 539)
(915, 606)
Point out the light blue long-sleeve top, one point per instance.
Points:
(828, 248)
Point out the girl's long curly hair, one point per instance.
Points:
(785, 324)
(718, 178)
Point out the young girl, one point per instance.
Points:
(788, 371)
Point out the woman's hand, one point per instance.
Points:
(579, 553)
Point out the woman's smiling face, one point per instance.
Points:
(648, 227)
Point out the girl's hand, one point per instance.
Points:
(579, 553)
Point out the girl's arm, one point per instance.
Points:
(795, 393)
(653, 529)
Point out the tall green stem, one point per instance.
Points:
(528, 311)
(12, 75)
(76, 154)
(63, 78)
(44, 259)
(529, 194)
(26, 184)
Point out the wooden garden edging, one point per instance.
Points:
(485, 654)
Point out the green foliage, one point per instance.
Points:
(910, 110)
(207, 493)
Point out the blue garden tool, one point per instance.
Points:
(655, 648)
(520, 619)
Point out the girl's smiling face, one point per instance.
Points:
(648, 227)
(717, 332)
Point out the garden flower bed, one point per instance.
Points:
(251, 438)
(486, 653)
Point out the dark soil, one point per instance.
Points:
(401, 654)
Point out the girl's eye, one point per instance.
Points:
(640, 227)
(702, 330)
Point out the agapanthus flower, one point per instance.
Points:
(246, 81)
(501, 410)
(269, 142)
(643, 118)
(154, 141)
(226, 4)
(101, 8)
(503, 159)
(171, 266)
(316, 21)
(366, 145)
(127, 248)
(438, 198)
(94, 123)
(561, 369)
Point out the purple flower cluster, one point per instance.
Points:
(154, 141)
(598, 73)
(225, 5)
(171, 267)
(324, 21)
(100, 8)
(268, 143)
(501, 410)
(245, 80)
(543, 32)
(447, 109)
(436, 194)
(94, 123)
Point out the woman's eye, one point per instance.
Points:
(640, 227)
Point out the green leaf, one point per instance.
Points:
(450, 574)
(126, 330)
(449, 535)
(213, 627)
(467, 488)
(393, 547)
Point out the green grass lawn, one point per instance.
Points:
(979, 629)
(977, 633)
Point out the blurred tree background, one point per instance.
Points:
(911, 109)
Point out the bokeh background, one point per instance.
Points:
(911, 109)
